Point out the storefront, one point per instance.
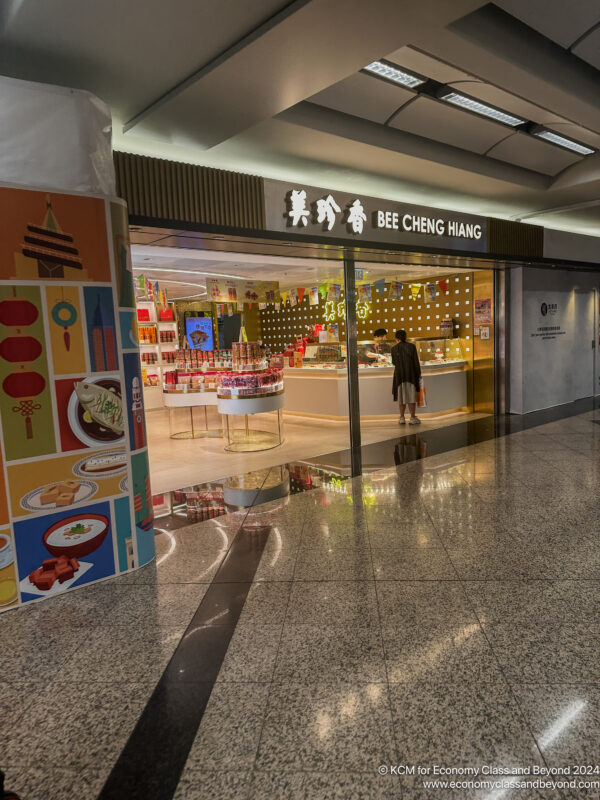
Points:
(276, 291)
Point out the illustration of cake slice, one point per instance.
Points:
(49, 494)
(110, 462)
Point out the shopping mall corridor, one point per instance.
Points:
(443, 611)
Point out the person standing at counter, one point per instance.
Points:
(378, 349)
(407, 377)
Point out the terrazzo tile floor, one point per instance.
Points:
(440, 612)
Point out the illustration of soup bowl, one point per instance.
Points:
(76, 536)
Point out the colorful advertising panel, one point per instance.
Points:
(70, 404)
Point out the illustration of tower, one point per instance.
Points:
(103, 342)
(50, 247)
(137, 415)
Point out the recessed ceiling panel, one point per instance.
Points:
(527, 151)
(363, 96)
(426, 65)
(558, 20)
(436, 120)
(589, 48)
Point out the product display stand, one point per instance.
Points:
(246, 439)
(192, 400)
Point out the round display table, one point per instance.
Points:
(245, 439)
(192, 400)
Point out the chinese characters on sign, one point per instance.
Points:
(335, 310)
(326, 211)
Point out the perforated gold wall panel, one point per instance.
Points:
(419, 318)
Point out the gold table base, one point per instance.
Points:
(241, 441)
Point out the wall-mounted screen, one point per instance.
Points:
(199, 333)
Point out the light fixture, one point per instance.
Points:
(470, 104)
(187, 272)
(390, 72)
(562, 141)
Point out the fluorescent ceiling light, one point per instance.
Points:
(481, 108)
(141, 268)
(383, 69)
(180, 283)
(562, 141)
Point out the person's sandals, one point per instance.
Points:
(414, 421)
(402, 421)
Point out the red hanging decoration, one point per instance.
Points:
(16, 312)
(20, 349)
(25, 386)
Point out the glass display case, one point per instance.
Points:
(325, 355)
(441, 352)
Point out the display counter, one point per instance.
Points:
(323, 391)
(192, 400)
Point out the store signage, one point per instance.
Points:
(337, 310)
(233, 290)
(548, 308)
(312, 211)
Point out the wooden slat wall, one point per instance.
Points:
(507, 238)
(168, 190)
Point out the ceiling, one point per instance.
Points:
(275, 88)
(183, 271)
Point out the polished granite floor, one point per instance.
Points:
(178, 462)
(443, 610)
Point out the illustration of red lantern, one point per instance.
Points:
(18, 313)
(24, 386)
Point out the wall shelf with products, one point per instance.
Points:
(158, 339)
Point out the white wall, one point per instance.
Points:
(552, 367)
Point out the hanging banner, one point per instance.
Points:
(293, 298)
(364, 293)
(395, 290)
(230, 290)
(443, 284)
(313, 296)
(140, 288)
(284, 296)
(380, 286)
(270, 291)
(277, 306)
(323, 290)
(430, 292)
(300, 294)
(262, 306)
(334, 291)
(415, 288)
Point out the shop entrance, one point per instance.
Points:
(245, 350)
